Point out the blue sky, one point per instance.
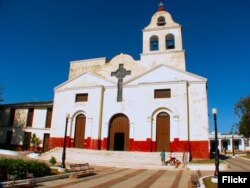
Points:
(38, 38)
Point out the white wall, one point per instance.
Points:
(64, 104)
(198, 111)
(39, 118)
(140, 106)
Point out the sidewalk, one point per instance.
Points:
(125, 177)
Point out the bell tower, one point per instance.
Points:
(162, 41)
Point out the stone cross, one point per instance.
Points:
(120, 74)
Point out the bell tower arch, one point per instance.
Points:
(169, 39)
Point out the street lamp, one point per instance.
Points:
(64, 144)
(214, 111)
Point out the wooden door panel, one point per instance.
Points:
(119, 124)
(80, 131)
(46, 142)
(163, 132)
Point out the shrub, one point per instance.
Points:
(38, 168)
(52, 161)
(18, 167)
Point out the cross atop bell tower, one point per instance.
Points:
(161, 6)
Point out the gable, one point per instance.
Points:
(163, 73)
(86, 79)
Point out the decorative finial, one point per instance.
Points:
(161, 6)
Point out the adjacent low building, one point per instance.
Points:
(19, 121)
(227, 142)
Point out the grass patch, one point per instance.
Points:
(208, 161)
(208, 183)
(246, 156)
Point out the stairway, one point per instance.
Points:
(125, 159)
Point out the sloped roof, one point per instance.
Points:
(86, 79)
(163, 73)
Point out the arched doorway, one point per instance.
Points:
(163, 132)
(79, 131)
(119, 133)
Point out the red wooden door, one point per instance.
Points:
(163, 132)
(79, 131)
(46, 142)
(119, 133)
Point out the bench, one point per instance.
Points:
(27, 182)
(81, 169)
(10, 180)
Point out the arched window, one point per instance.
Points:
(170, 43)
(154, 43)
(161, 21)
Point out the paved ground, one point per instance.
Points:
(141, 178)
(238, 164)
(128, 178)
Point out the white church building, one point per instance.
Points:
(124, 104)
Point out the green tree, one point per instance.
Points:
(242, 110)
(35, 141)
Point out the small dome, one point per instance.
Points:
(161, 19)
(122, 58)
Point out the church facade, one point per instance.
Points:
(124, 104)
(136, 105)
